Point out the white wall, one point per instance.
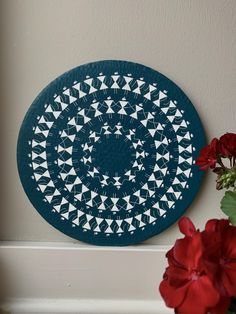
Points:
(192, 42)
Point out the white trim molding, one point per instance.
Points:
(66, 306)
(78, 278)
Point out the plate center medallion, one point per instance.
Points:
(113, 155)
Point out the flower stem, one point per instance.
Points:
(222, 165)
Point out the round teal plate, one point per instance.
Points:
(106, 153)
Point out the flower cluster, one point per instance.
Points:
(201, 273)
(213, 155)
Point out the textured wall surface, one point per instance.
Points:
(191, 42)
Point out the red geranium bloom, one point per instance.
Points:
(228, 145)
(202, 269)
(220, 240)
(208, 155)
(186, 280)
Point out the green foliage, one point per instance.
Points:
(228, 206)
(226, 179)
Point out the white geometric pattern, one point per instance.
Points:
(154, 153)
(81, 191)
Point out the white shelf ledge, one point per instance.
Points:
(66, 306)
(80, 246)
(79, 278)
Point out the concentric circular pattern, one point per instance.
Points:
(106, 153)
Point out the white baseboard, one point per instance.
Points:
(46, 306)
(77, 278)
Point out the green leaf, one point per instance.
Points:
(228, 206)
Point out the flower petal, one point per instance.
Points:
(214, 225)
(229, 242)
(207, 293)
(188, 251)
(202, 292)
(229, 280)
(221, 307)
(177, 276)
(186, 226)
(228, 145)
(172, 296)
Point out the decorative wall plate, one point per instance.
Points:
(106, 153)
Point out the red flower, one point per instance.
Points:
(202, 267)
(222, 306)
(186, 279)
(208, 155)
(222, 236)
(228, 145)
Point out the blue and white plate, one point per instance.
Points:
(106, 153)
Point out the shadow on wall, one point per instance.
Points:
(4, 119)
(4, 288)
